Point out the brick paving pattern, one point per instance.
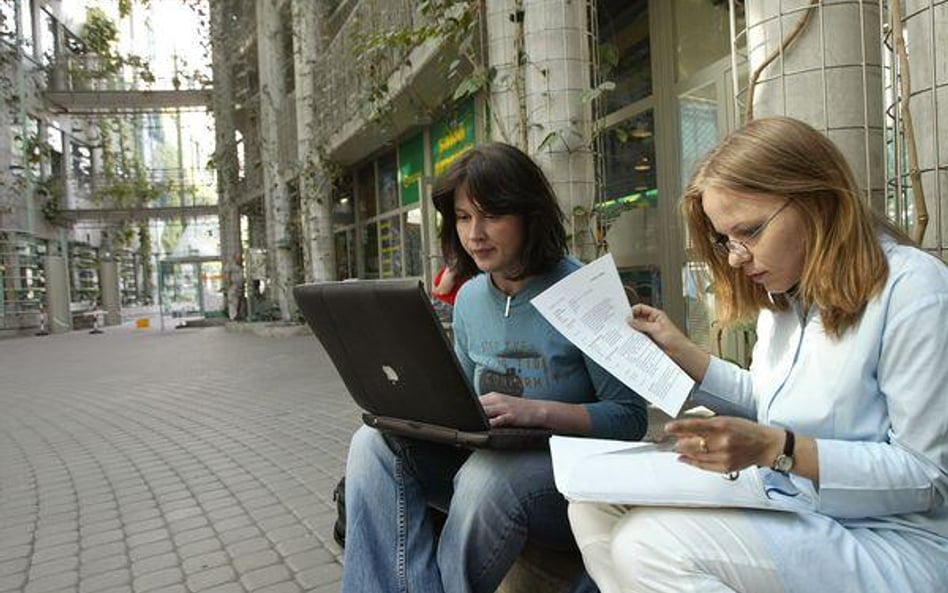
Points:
(189, 461)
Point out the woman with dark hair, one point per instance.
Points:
(846, 400)
(501, 225)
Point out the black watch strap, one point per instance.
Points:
(784, 462)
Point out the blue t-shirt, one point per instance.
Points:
(505, 345)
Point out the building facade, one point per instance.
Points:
(340, 114)
(104, 202)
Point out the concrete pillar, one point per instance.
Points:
(926, 24)
(58, 316)
(507, 95)
(830, 77)
(538, 102)
(109, 291)
(556, 38)
(276, 195)
(309, 18)
(225, 157)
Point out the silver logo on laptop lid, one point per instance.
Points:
(390, 374)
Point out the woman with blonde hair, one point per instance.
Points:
(846, 399)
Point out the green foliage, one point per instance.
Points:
(50, 210)
(49, 193)
(171, 235)
(608, 58)
(99, 35)
(320, 169)
(35, 149)
(125, 6)
(453, 21)
(144, 251)
(457, 22)
(126, 180)
(595, 93)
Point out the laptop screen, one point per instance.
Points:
(388, 346)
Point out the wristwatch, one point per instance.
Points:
(784, 462)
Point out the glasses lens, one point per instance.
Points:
(737, 249)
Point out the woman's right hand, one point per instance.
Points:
(656, 324)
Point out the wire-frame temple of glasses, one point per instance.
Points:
(740, 248)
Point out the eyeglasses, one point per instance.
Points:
(740, 249)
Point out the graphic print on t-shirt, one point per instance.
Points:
(524, 370)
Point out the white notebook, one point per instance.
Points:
(623, 472)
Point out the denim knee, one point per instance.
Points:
(505, 486)
(368, 454)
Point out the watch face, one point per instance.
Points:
(783, 463)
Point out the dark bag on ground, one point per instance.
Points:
(339, 496)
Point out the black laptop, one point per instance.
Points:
(389, 347)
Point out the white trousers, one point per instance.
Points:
(680, 550)
(675, 550)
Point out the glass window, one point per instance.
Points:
(365, 191)
(642, 284)
(54, 138)
(345, 255)
(370, 251)
(35, 142)
(624, 56)
(702, 34)
(629, 162)
(241, 155)
(388, 183)
(411, 228)
(8, 24)
(698, 120)
(8, 20)
(48, 37)
(698, 124)
(82, 165)
(390, 240)
(342, 207)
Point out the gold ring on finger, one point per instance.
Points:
(703, 444)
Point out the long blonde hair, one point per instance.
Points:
(844, 265)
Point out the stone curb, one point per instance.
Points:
(268, 329)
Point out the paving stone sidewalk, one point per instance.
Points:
(184, 461)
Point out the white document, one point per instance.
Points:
(635, 473)
(589, 307)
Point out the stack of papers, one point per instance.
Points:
(622, 472)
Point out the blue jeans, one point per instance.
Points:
(494, 501)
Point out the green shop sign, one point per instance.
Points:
(411, 168)
(452, 136)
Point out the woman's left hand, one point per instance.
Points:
(725, 443)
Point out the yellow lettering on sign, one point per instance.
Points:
(444, 163)
(410, 180)
(453, 138)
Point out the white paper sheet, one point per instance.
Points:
(621, 472)
(589, 307)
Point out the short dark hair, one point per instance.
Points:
(502, 179)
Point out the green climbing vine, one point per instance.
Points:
(459, 23)
(100, 58)
(452, 21)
